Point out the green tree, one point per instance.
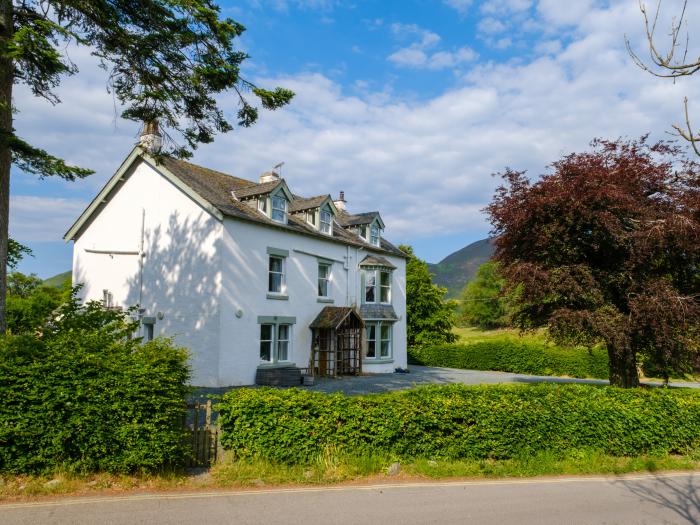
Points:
(606, 249)
(429, 319)
(483, 302)
(166, 61)
(30, 303)
(15, 253)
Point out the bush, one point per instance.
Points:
(81, 396)
(519, 356)
(30, 303)
(460, 422)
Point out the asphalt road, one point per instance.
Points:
(624, 500)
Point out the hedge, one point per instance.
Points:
(516, 356)
(82, 397)
(460, 422)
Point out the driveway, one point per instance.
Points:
(425, 375)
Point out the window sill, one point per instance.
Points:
(278, 364)
(325, 300)
(278, 296)
(373, 361)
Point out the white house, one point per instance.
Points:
(246, 274)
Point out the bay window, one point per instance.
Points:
(376, 286)
(379, 340)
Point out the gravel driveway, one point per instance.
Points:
(425, 375)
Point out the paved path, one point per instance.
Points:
(424, 375)
(672, 499)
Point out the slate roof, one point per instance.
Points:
(333, 316)
(258, 189)
(348, 219)
(384, 312)
(306, 203)
(376, 260)
(215, 187)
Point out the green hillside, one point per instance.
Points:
(58, 280)
(458, 268)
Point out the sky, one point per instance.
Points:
(407, 106)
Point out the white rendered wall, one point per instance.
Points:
(244, 259)
(181, 267)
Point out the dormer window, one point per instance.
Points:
(279, 209)
(262, 204)
(374, 234)
(311, 218)
(326, 222)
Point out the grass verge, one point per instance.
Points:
(330, 468)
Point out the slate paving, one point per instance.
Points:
(425, 375)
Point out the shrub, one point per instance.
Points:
(30, 303)
(81, 396)
(460, 422)
(519, 356)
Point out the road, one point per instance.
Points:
(648, 499)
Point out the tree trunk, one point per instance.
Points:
(623, 367)
(6, 81)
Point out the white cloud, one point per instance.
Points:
(460, 5)
(38, 219)
(418, 54)
(425, 164)
(501, 7)
(491, 25)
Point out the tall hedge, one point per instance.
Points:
(82, 396)
(516, 356)
(460, 422)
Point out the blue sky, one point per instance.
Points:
(408, 107)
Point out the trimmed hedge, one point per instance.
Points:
(518, 356)
(82, 396)
(460, 422)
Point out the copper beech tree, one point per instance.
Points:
(605, 248)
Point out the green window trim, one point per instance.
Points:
(276, 319)
(279, 252)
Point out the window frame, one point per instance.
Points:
(328, 223)
(378, 287)
(275, 342)
(376, 344)
(374, 234)
(284, 210)
(326, 278)
(281, 273)
(269, 341)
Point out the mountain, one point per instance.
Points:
(458, 268)
(58, 280)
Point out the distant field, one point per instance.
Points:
(483, 345)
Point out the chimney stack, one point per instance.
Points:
(151, 139)
(340, 202)
(269, 176)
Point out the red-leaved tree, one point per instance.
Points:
(606, 248)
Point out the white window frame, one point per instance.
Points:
(377, 274)
(275, 200)
(374, 234)
(276, 342)
(271, 342)
(262, 205)
(325, 226)
(311, 218)
(281, 273)
(327, 279)
(379, 340)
